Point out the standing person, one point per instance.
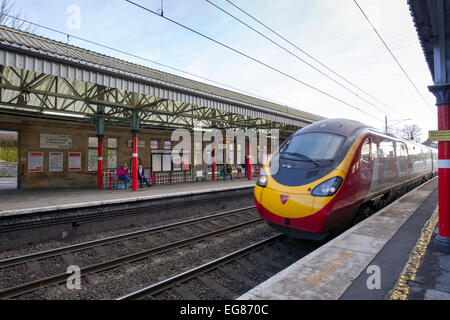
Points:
(122, 174)
(141, 176)
(246, 166)
(228, 171)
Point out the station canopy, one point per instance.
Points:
(43, 78)
(431, 22)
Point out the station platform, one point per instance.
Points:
(22, 202)
(390, 255)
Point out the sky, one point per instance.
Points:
(333, 32)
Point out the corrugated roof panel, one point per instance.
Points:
(107, 63)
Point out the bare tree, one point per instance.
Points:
(412, 132)
(13, 18)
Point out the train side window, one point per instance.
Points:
(374, 150)
(365, 150)
(387, 149)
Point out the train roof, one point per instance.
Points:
(345, 127)
(350, 128)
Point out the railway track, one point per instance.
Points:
(190, 231)
(178, 286)
(70, 224)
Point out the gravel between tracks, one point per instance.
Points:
(119, 281)
(95, 236)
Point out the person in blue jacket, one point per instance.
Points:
(142, 177)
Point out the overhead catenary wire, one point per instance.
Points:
(393, 56)
(253, 59)
(311, 57)
(297, 57)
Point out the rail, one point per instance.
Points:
(193, 273)
(28, 287)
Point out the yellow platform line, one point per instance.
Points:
(402, 288)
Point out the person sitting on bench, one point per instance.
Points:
(141, 176)
(122, 174)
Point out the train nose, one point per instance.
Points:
(287, 204)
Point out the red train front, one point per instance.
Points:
(325, 172)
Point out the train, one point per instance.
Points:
(332, 174)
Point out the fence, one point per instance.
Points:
(110, 180)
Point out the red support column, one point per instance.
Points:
(213, 156)
(100, 163)
(444, 174)
(442, 94)
(249, 167)
(134, 180)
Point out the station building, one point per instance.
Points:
(77, 111)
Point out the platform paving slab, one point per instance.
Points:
(34, 201)
(433, 278)
(328, 272)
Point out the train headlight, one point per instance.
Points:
(327, 188)
(262, 180)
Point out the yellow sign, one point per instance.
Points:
(439, 135)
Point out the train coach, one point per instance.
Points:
(330, 174)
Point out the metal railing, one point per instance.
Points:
(112, 182)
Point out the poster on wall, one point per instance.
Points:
(74, 161)
(35, 161)
(176, 160)
(185, 161)
(55, 161)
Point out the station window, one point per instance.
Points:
(92, 153)
(262, 153)
(208, 150)
(112, 153)
(231, 153)
(239, 154)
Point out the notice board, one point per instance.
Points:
(74, 161)
(35, 161)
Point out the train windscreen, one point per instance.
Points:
(314, 145)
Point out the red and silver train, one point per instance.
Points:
(324, 175)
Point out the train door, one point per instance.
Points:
(365, 166)
(402, 160)
(387, 167)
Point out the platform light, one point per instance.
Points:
(64, 114)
